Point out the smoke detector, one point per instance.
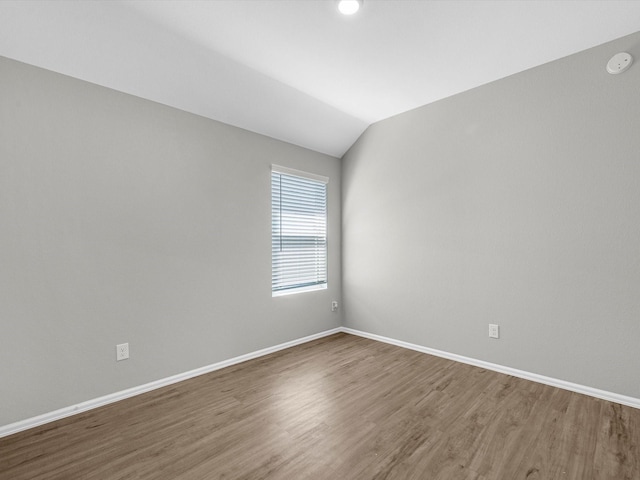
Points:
(619, 63)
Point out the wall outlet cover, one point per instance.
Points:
(122, 351)
(494, 330)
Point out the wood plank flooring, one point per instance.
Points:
(339, 408)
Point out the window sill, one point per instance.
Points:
(293, 291)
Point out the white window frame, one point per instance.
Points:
(278, 264)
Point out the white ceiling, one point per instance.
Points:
(297, 70)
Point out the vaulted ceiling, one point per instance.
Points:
(297, 70)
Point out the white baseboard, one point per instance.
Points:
(147, 387)
(114, 397)
(534, 377)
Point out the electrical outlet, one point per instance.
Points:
(334, 305)
(122, 351)
(494, 330)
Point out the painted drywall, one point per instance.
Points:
(516, 203)
(123, 220)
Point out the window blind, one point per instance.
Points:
(298, 231)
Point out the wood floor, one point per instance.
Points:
(338, 408)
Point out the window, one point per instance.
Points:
(298, 231)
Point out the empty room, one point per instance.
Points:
(319, 239)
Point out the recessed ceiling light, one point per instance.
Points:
(349, 7)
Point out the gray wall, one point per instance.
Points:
(515, 203)
(123, 220)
